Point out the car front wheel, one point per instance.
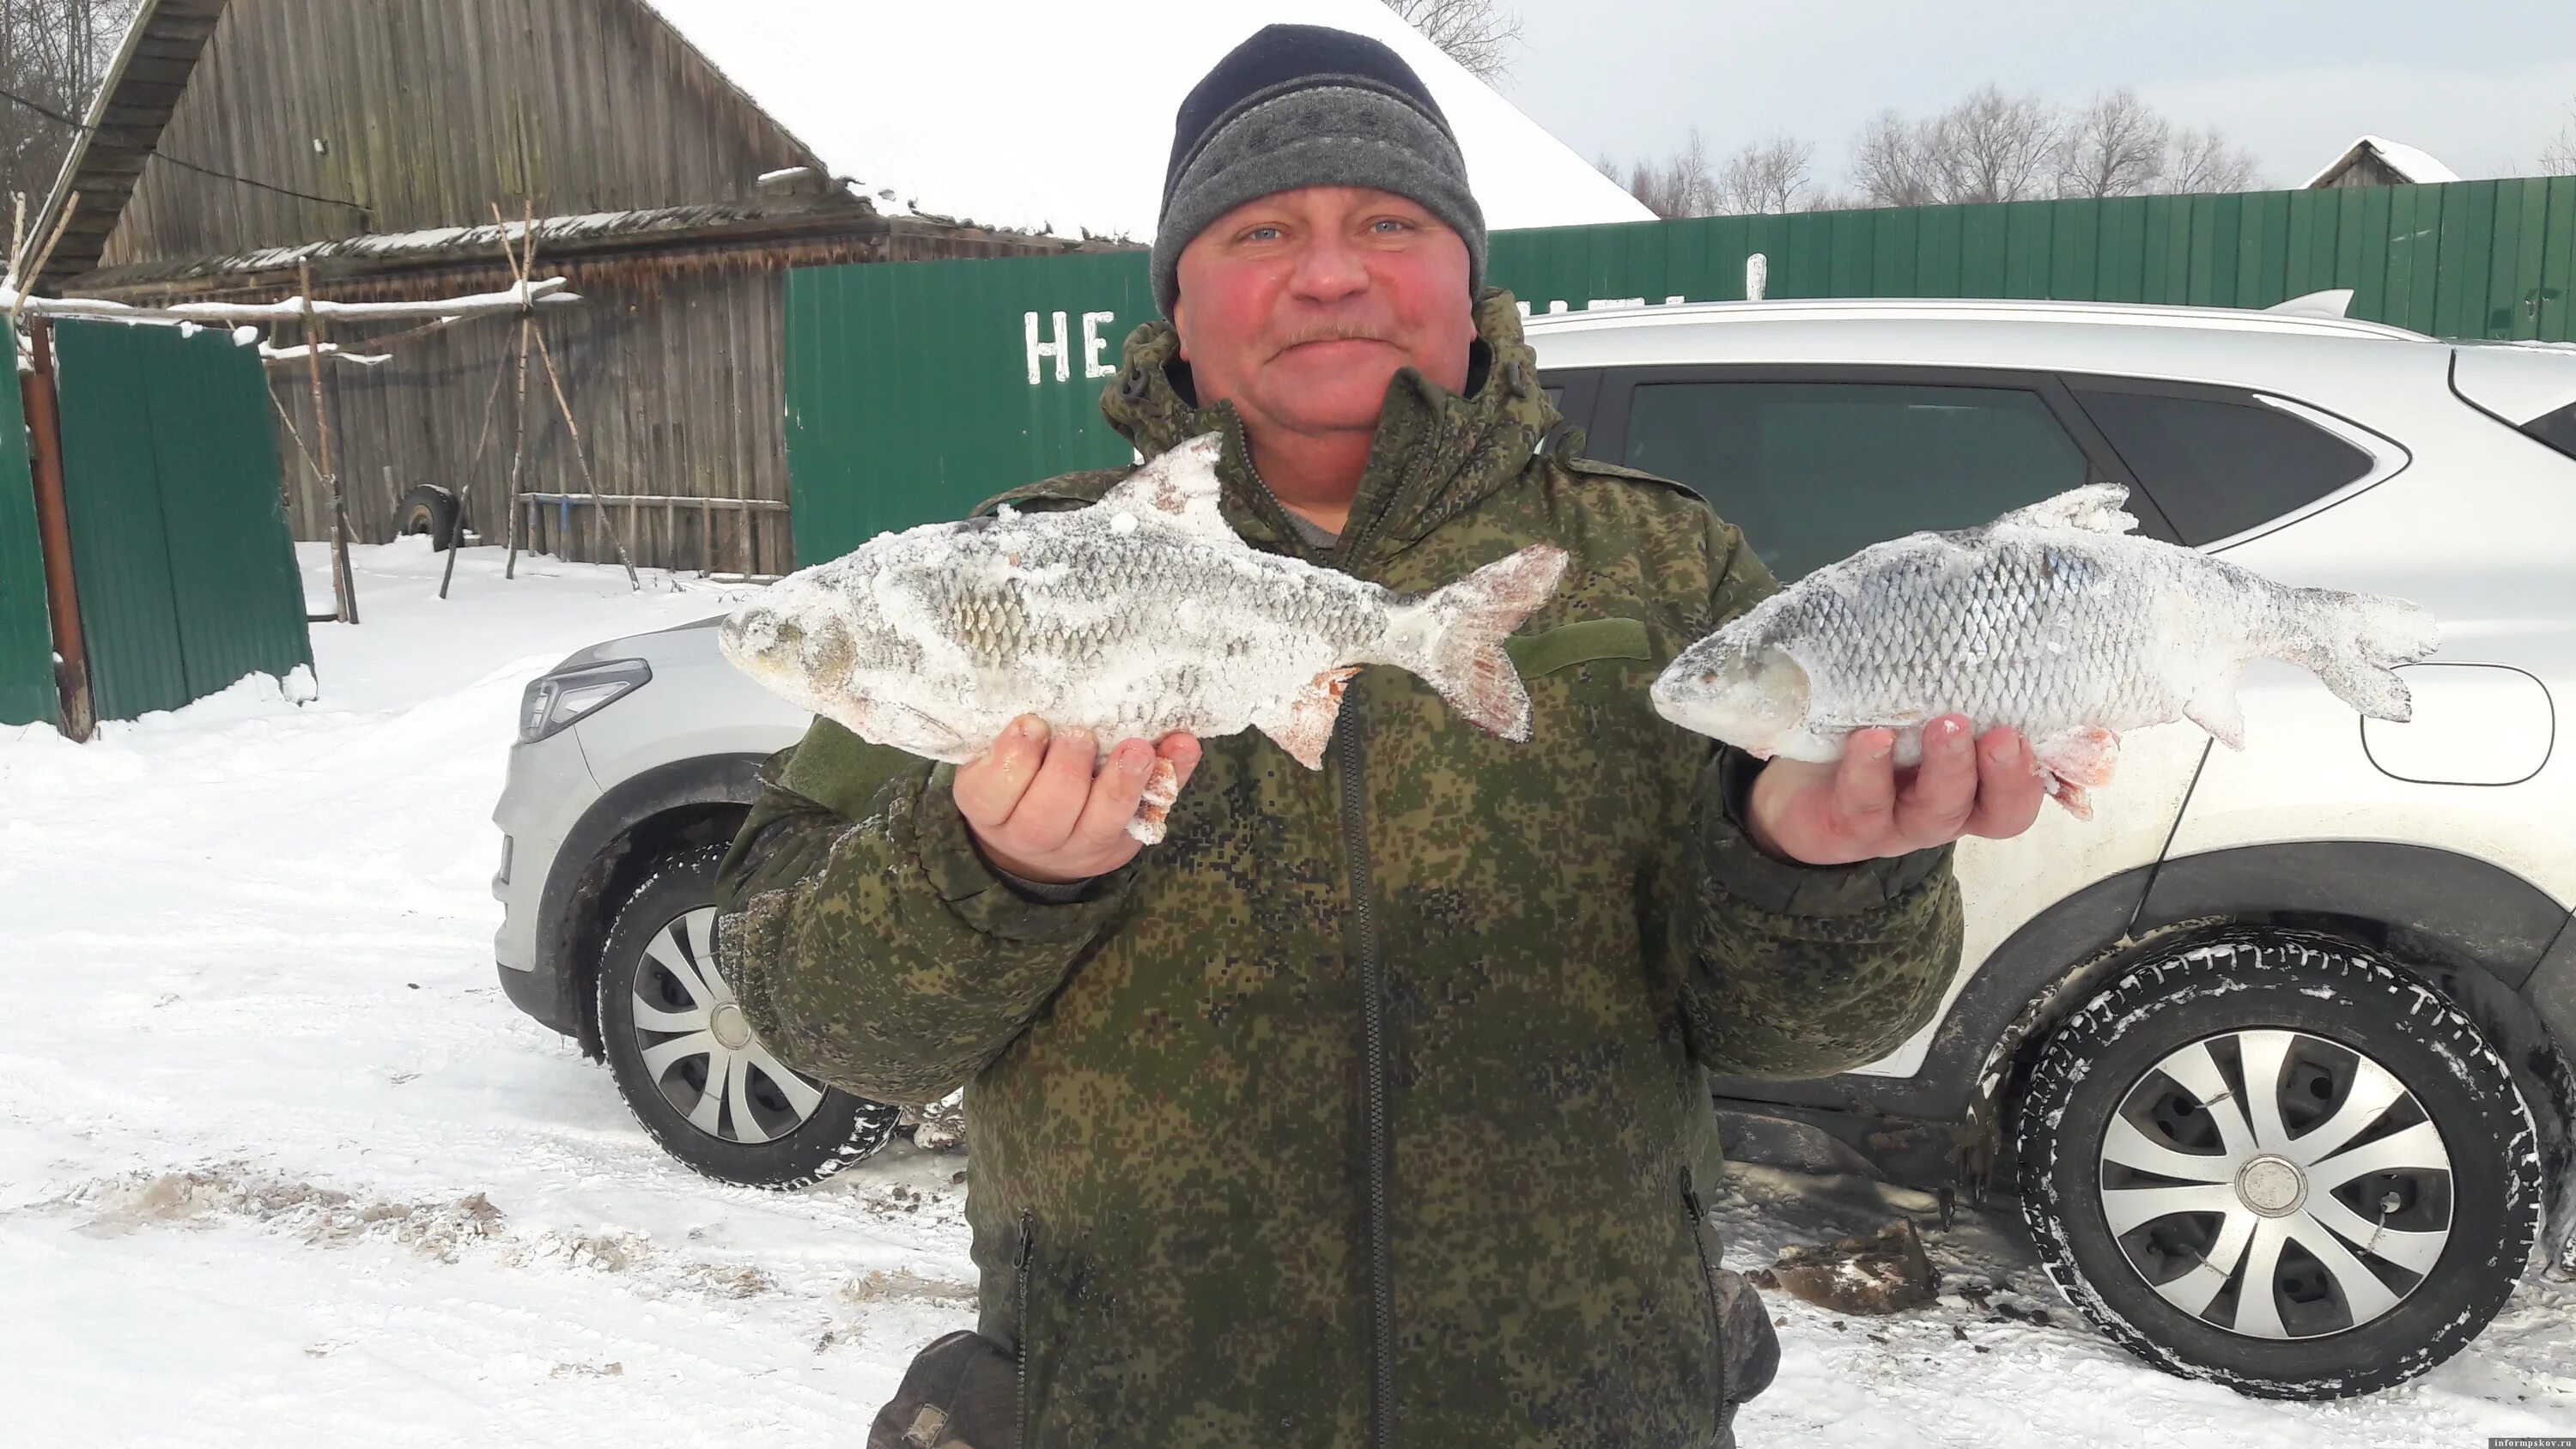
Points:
(686, 1061)
(2279, 1163)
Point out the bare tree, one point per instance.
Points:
(1994, 147)
(2558, 158)
(1889, 166)
(2204, 160)
(2116, 146)
(1766, 177)
(1478, 34)
(53, 54)
(1683, 184)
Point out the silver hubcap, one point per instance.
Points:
(2276, 1184)
(698, 1049)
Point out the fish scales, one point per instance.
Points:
(2054, 620)
(1137, 616)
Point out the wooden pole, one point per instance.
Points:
(519, 451)
(44, 258)
(581, 455)
(53, 527)
(344, 590)
(465, 494)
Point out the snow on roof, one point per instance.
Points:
(1048, 115)
(2407, 161)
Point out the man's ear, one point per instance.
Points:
(1181, 325)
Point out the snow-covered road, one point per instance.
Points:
(279, 1165)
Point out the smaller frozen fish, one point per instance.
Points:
(1139, 615)
(2054, 619)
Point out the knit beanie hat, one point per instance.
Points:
(1302, 105)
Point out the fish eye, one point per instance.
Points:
(1709, 678)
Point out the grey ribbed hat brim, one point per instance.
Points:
(1319, 135)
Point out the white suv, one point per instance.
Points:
(2274, 1051)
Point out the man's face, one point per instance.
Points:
(1300, 307)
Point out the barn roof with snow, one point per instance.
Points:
(2378, 161)
(1021, 116)
(1057, 117)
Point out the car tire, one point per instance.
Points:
(428, 509)
(2371, 1069)
(668, 1025)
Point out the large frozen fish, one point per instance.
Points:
(1133, 617)
(2053, 619)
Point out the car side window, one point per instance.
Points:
(1815, 471)
(2219, 467)
(2557, 429)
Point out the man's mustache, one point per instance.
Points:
(1332, 332)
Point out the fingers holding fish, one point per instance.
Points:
(2009, 788)
(989, 787)
(1049, 813)
(1863, 801)
(1933, 807)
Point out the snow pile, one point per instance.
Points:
(279, 1166)
(1040, 115)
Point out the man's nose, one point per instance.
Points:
(1329, 268)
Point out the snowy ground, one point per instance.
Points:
(279, 1165)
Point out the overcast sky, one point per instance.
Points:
(2482, 84)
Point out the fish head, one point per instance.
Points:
(804, 639)
(1747, 694)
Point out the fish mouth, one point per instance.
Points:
(757, 634)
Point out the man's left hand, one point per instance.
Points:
(1864, 808)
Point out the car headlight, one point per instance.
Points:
(556, 700)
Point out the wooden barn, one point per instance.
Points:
(238, 142)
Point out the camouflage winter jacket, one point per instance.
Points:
(1368, 1107)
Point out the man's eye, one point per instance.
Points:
(1263, 233)
(1389, 225)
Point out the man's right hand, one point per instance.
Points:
(1037, 811)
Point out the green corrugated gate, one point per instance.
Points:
(26, 630)
(917, 389)
(185, 566)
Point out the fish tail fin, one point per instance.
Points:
(1453, 637)
(2356, 642)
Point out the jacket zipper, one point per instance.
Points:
(1372, 974)
(1707, 1291)
(1373, 1064)
(1020, 1333)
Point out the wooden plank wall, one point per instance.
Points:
(429, 110)
(675, 374)
(674, 381)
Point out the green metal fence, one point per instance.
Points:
(917, 389)
(2491, 259)
(26, 630)
(186, 570)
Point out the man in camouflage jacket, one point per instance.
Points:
(1369, 1107)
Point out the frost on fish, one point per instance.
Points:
(2054, 619)
(1137, 616)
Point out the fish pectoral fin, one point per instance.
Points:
(2077, 800)
(2095, 508)
(1303, 723)
(2221, 713)
(1162, 787)
(2081, 759)
(1179, 489)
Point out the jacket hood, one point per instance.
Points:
(1436, 452)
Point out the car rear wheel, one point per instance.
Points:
(686, 1061)
(2279, 1163)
